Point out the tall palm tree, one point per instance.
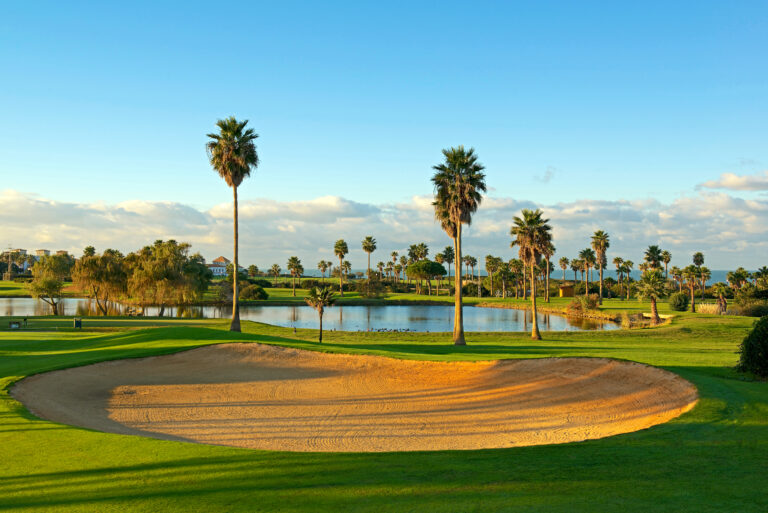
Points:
(691, 276)
(666, 257)
(394, 256)
(698, 261)
(564, 265)
(319, 299)
(677, 275)
(275, 271)
(600, 243)
(440, 259)
(341, 250)
(380, 267)
(653, 257)
(576, 268)
(547, 254)
(322, 266)
(618, 262)
(403, 263)
(588, 260)
(532, 233)
(704, 275)
(627, 269)
(653, 286)
(459, 182)
(369, 246)
(232, 154)
(294, 266)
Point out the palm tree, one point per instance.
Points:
(380, 267)
(691, 276)
(319, 299)
(532, 234)
(294, 266)
(346, 266)
(627, 269)
(576, 268)
(547, 254)
(322, 266)
(653, 257)
(761, 276)
(600, 243)
(588, 260)
(440, 259)
(666, 257)
(403, 263)
(677, 275)
(652, 285)
(449, 257)
(394, 256)
(340, 249)
(618, 262)
(698, 261)
(369, 246)
(275, 271)
(704, 274)
(467, 259)
(232, 154)
(459, 183)
(564, 265)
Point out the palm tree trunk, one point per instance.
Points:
(369, 265)
(341, 277)
(693, 299)
(655, 319)
(294, 285)
(235, 324)
(547, 294)
(321, 328)
(535, 335)
(586, 283)
(600, 301)
(458, 318)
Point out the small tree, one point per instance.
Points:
(319, 299)
(48, 279)
(340, 249)
(754, 349)
(652, 285)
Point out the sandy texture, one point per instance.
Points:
(264, 397)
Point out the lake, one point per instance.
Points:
(425, 318)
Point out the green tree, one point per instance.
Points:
(48, 279)
(425, 270)
(652, 285)
(532, 234)
(340, 249)
(600, 244)
(666, 257)
(322, 266)
(295, 268)
(102, 277)
(588, 261)
(653, 257)
(275, 271)
(319, 299)
(232, 154)
(369, 246)
(449, 257)
(691, 276)
(459, 183)
(564, 262)
(626, 270)
(253, 271)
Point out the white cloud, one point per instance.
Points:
(734, 182)
(729, 230)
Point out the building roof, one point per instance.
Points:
(221, 260)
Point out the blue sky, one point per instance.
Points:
(563, 101)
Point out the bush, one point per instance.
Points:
(582, 304)
(679, 301)
(370, 288)
(470, 289)
(754, 349)
(754, 309)
(261, 282)
(253, 293)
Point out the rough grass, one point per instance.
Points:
(710, 459)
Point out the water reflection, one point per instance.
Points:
(434, 318)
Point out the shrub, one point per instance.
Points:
(754, 349)
(253, 293)
(708, 308)
(261, 282)
(679, 301)
(470, 289)
(582, 304)
(370, 288)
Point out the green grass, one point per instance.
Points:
(713, 458)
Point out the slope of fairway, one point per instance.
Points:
(712, 458)
(266, 397)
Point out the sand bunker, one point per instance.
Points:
(265, 397)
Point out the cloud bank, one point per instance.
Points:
(729, 230)
(734, 182)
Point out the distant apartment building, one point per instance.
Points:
(219, 266)
(62, 252)
(42, 252)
